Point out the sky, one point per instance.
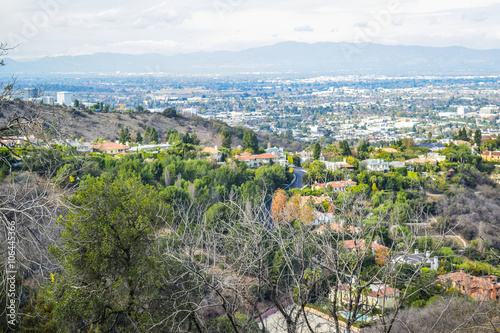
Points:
(41, 28)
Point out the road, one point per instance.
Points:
(299, 173)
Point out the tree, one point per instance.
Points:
(169, 112)
(250, 141)
(113, 273)
(124, 135)
(194, 139)
(477, 137)
(344, 148)
(154, 135)
(316, 151)
(186, 138)
(76, 103)
(138, 137)
(140, 108)
(226, 138)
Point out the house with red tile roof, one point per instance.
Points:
(335, 186)
(490, 156)
(255, 161)
(481, 288)
(111, 147)
(360, 244)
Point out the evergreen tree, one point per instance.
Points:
(147, 136)
(226, 138)
(344, 148)
(186, 138)
(124, 135)
(477, 137)
(194, 139)
(154, 135)
(316, 151)
(250, 141)
(138, 137)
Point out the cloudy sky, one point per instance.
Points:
(75, 27)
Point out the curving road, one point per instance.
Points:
(299, 173)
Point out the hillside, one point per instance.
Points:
(78, 124)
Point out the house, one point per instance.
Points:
(491, 156)
(397, 164)
(376, 295)
(376, 165)
(416, 259)
(255, 161)
(335, 186)
(276, 151)
(152, 148)
(359, 244)
(433, 146)
(335, 227)
(421, 161)
(111, 147)
(214, 153)
(481, 288)
(335, 166)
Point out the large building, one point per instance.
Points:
(376, 165)
(481, 288)
(255, 161)
(491, 156)
(64, 98)
(29, 94)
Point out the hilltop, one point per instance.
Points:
(77, 124)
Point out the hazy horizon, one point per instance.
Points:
(42, 28)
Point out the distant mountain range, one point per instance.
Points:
(340, 58)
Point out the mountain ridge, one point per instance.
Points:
(298, 57)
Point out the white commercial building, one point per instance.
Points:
(64, 98)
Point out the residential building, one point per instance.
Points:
(481, 288)
(111, 147)
(334, 186)
(433, 146)
(377, 295)
(335, 166)
(255, 161)
(397, 164)
(359, 244)
(378, 165)
(416, 259)
(214, 153)
(276, 151)
(490, 156)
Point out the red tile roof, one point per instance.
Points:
(360, 244)
(105, 146)
(338, 184)
(254, 157)
(336, 227)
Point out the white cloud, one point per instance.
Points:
(180, 26)
(304, 28)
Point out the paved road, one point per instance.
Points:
(299, 173)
